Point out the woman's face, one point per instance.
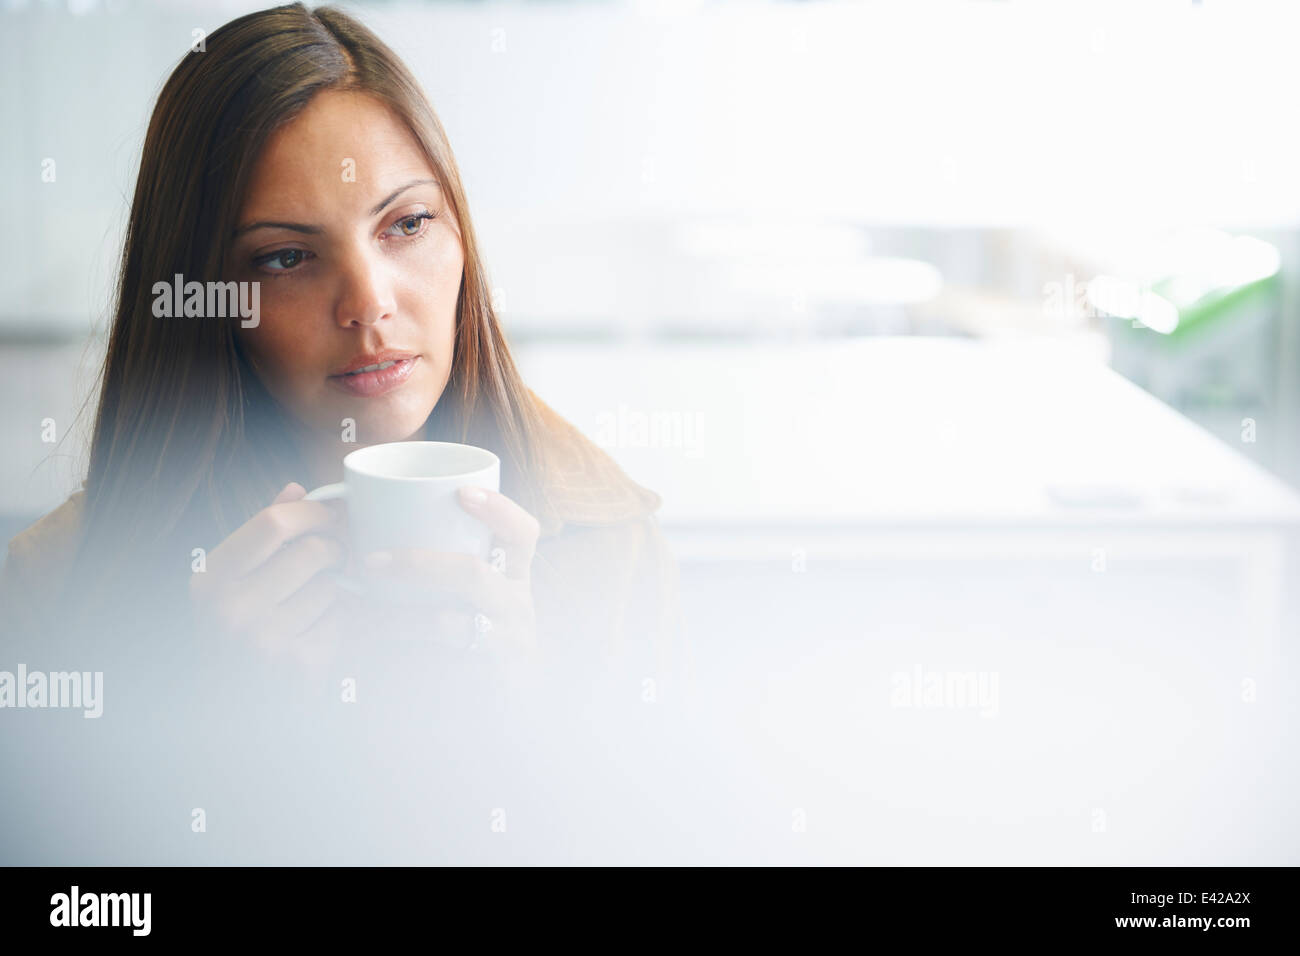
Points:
(359, 264)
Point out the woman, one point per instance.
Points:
(296, 156)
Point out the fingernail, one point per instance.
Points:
(289, 492)
(377, 559)
(473, 496)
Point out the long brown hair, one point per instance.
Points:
(186, 443)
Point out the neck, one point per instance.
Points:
(324, 462)
(323, 455)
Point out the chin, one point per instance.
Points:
(377, 429)
(385, 422)
(398, 416)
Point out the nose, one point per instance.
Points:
(366, 291)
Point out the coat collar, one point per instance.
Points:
(586, 487)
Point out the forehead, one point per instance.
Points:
(341, 151)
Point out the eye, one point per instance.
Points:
(412, 225)
(287, 258)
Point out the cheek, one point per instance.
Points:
(283, 355)
(433, 292)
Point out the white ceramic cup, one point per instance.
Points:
(404, 495)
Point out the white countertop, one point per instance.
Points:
(900, 432)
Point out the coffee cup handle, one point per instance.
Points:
(326, 492)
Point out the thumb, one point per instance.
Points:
(290, 492)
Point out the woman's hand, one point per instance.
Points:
(492, 600)
(265, 580)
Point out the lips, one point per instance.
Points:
(374, 374)
(366, 359)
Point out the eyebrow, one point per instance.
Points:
(317, 230)
(397, 192)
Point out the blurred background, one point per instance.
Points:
(684, 171)
(972, 326)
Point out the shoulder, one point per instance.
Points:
(38, 562)
(51, 540)
(585, 486)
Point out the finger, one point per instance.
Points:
(290, 492)
(514, 529)
(406, 621)
(317, 646)
(265, 533)
(441, 573)
(301, 610)
(267, 586)
(502, 638)
(202, 584)
(314, 653)
(508, 629)
(291, 568)
(465, 631)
